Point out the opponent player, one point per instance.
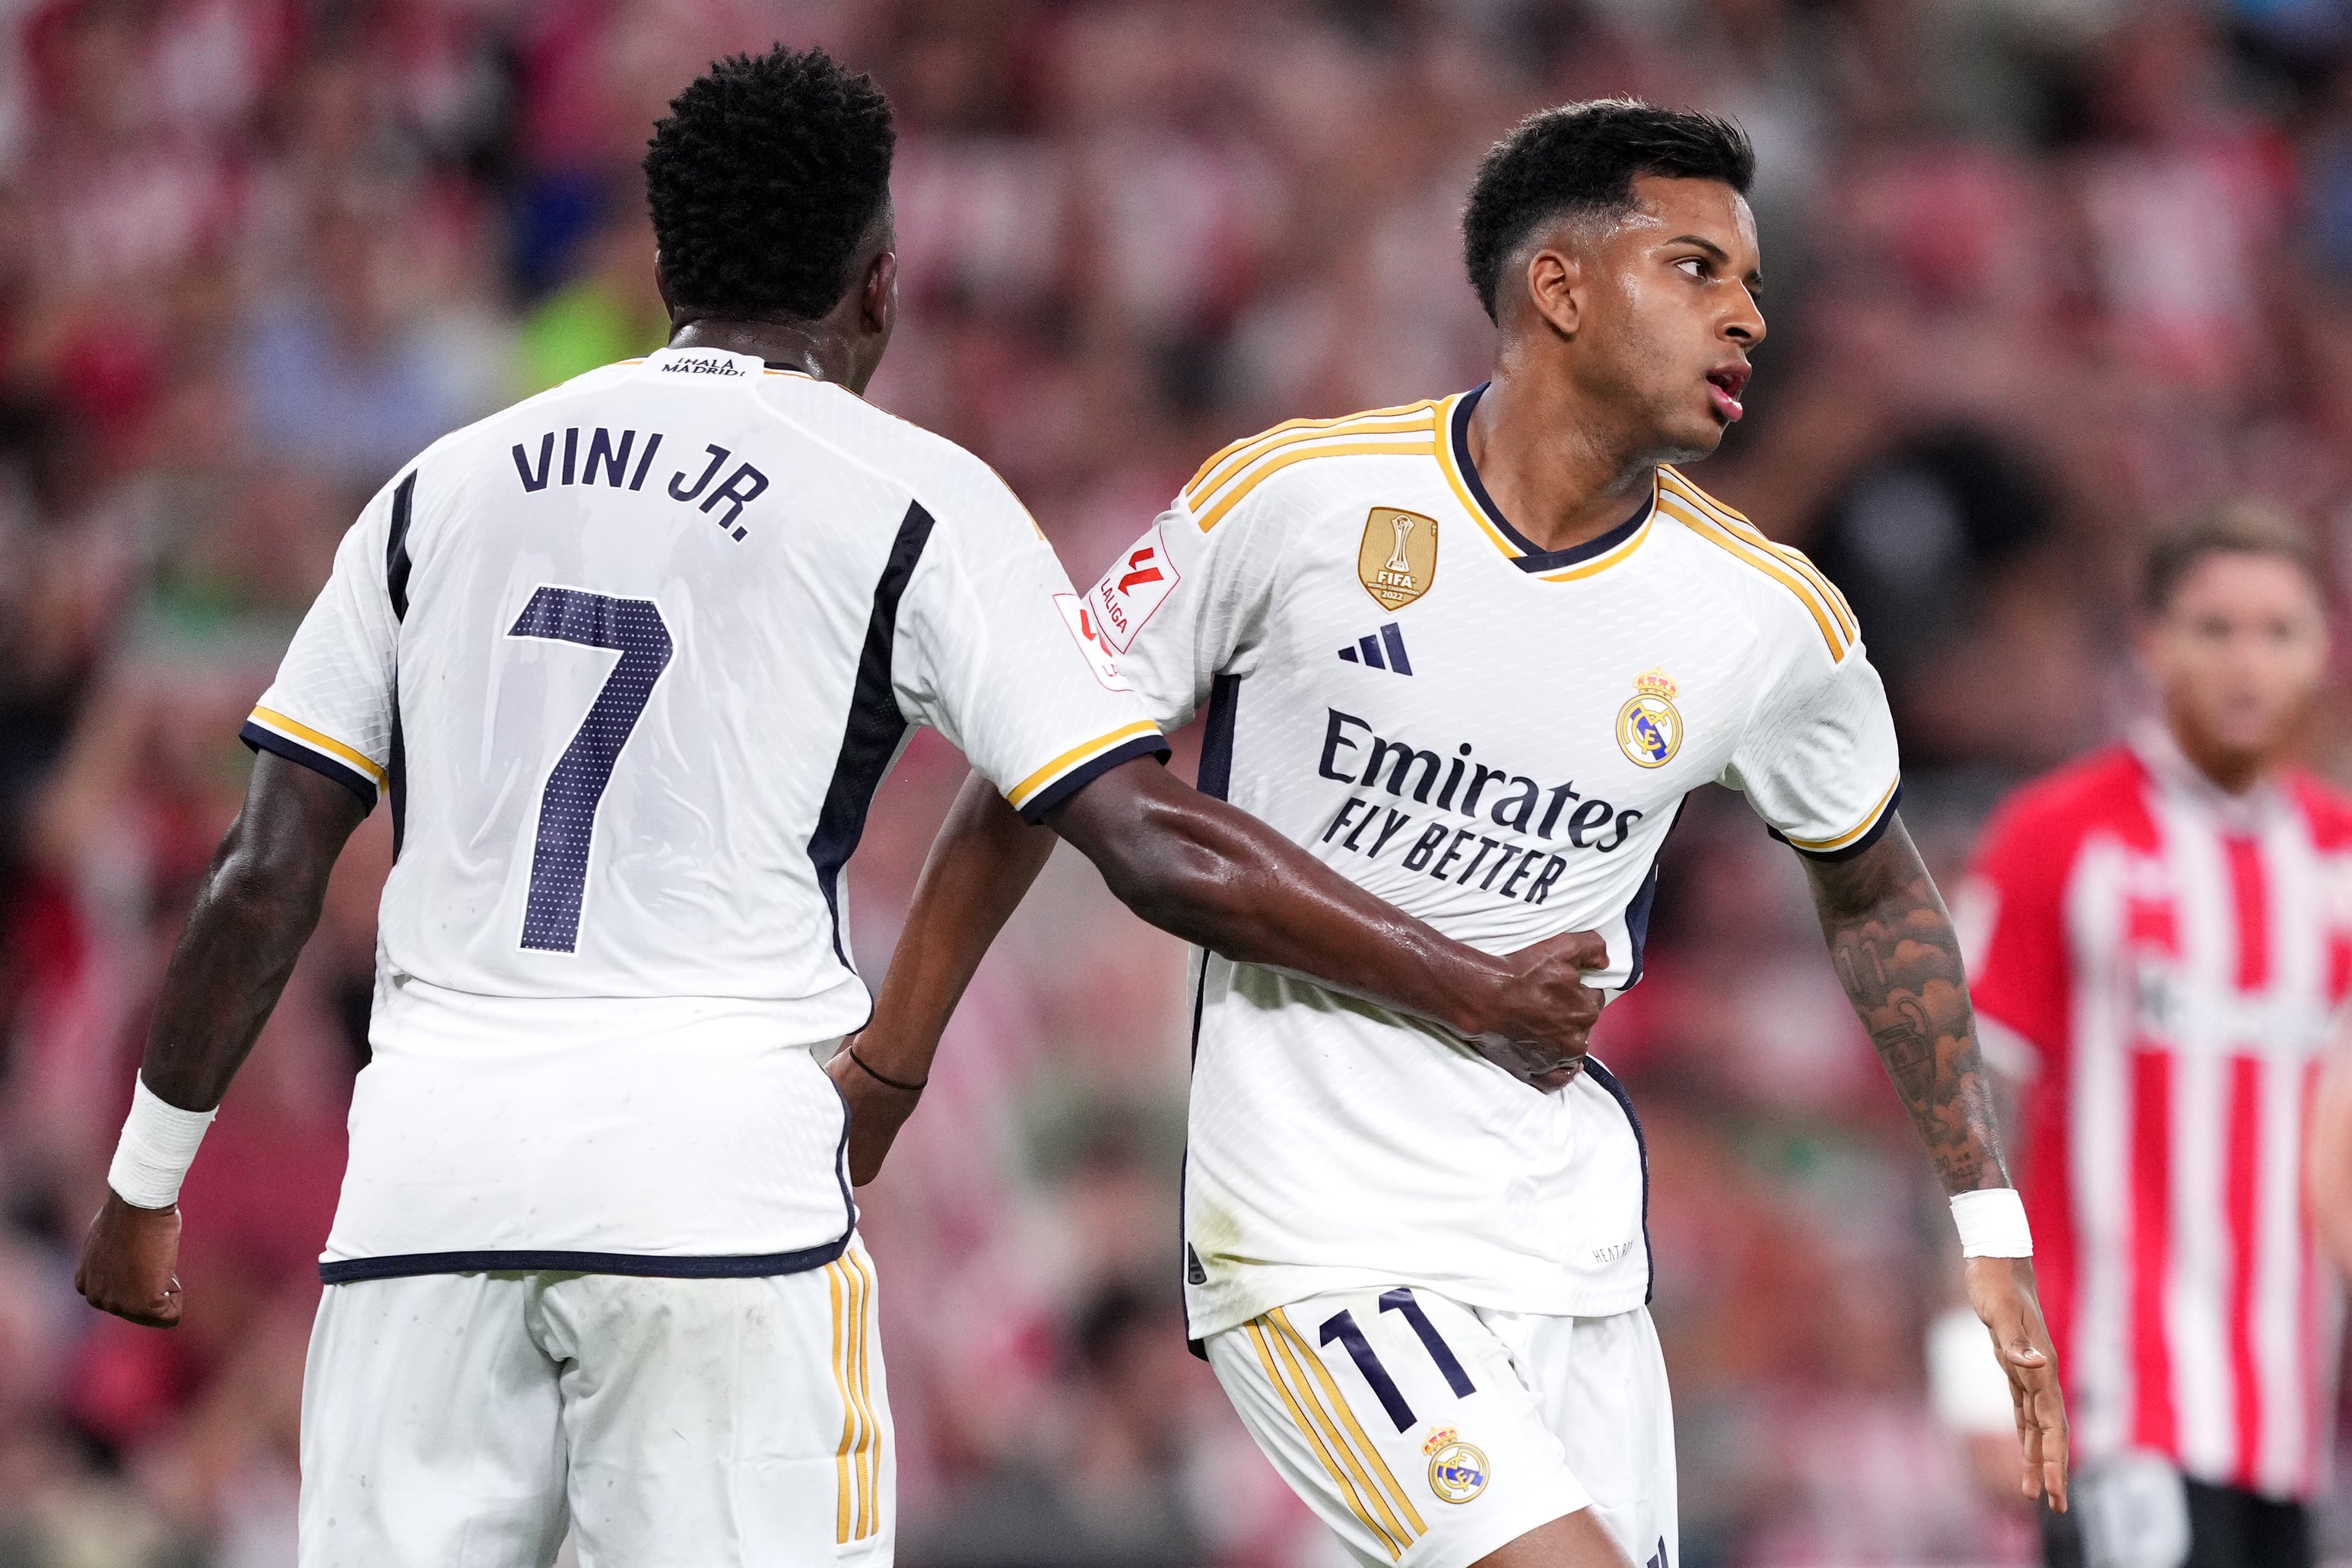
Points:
(629, 660)
(1473, 653)
(2162, 947)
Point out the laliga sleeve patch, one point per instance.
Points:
(1078, 615)
(1135, 587)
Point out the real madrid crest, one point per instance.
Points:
(1457, 1471)
(1397, 559)
(1650, 727)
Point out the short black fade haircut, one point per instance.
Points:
(2238, 526)
(1582, 159)
(766, 174)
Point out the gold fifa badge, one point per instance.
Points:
(1650, 727)
(1398, 561)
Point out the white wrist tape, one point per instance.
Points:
(158, 1142)
(1992, 1224)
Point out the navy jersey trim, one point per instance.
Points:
(1637, 913)
(397, 781)
(270, 741)
(1847, 852)
(1216, 773)
(1217, 780)
(1093, 768)
(1608, 1081)
(396, 564)
(396, 568)
(870, 738)
(1534, 558)
(636, 1265)
(1637, 925)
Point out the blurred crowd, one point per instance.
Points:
(2040, 273)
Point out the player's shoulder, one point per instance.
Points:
(2327, 807)
(1784, 589)
(945, 479)
(1311, 459)
(2047, 821)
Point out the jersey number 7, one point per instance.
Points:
(567, 806)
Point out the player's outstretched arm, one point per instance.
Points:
(258, 903)
(1899, 959)
(1217, 877)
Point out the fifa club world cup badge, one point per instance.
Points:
(1457, 1472)
(1397, 559)
(1650, 727)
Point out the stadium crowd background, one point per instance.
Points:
(2041, 273)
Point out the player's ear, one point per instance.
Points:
(1554, 280)
(878, 296)
(661, 283)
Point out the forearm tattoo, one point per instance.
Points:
(1899, 960)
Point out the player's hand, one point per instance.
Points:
(876, 1111)
(1538, 1029)
(130, 1261)
(2001, 1290)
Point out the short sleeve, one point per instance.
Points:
(1818, 762)
(331, 708)
(991, 652)
(2010, 911)
(1179, 607)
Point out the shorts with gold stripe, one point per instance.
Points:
(472, 1420)
(1427, 1434)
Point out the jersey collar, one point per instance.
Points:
(1583, 559)
(2182, 780)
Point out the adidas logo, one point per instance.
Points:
(1384, 650)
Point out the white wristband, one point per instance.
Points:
(1992, 1224)
(158, 1142)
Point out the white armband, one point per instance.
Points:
(1992, 1224)
(159, 1144)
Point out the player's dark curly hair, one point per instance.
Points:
(1582, 158)
(767, 172)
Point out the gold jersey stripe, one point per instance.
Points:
(844, 1480)
(1322, 1451)
(1764, 560)
(294, 729)
(1727, 538)
(1021, 793)
(1254, 464)
(1358, 445)
(1738, 522)
(1288, 430)
(1332, 1393)
(1869, 821)
(869, 1448)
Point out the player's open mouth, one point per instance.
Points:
(1724, 386)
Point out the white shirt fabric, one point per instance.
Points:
(630, 659)
(1496, 740)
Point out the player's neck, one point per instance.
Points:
(1551, 469)
(2231, 770)
(812, 348)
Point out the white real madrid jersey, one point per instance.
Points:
(629, 660)
(1495, 740)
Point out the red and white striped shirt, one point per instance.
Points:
(2162, 963)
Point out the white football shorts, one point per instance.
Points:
(467, 1420)
(1428, 1434)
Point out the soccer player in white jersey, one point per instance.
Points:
(1472, 653)
(628, 660)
